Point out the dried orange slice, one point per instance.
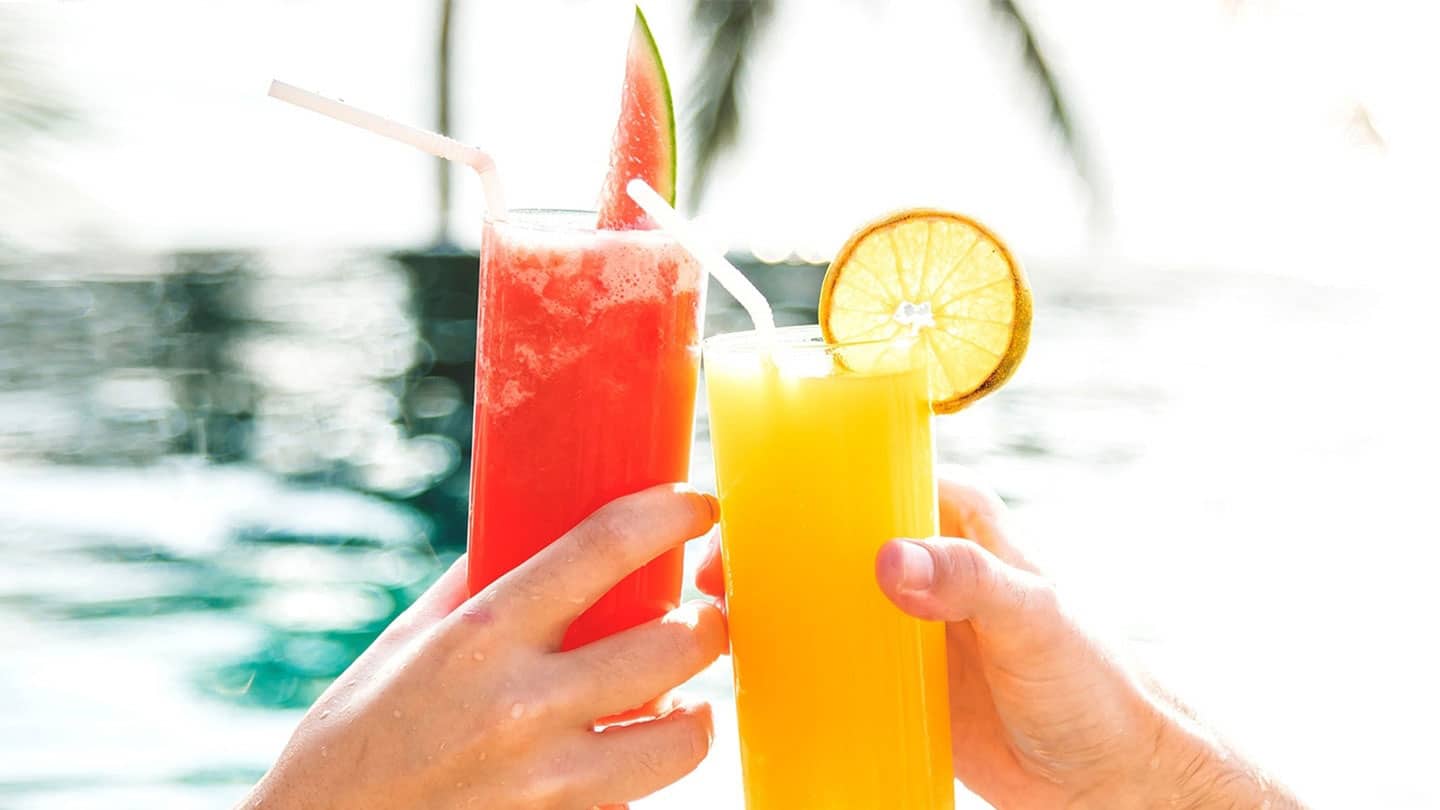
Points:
(941, 275)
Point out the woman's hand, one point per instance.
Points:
(469, 703)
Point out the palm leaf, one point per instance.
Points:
(27, 107)
(730, 28)
(1058, 109)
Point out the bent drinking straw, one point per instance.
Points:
(431, 143)
(712, 259)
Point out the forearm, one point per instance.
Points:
(1178, 764)
(1195, 770)
(292, 785)
(270, 791)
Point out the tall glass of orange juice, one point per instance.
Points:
(822, 454)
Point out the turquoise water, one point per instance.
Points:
(222, 474)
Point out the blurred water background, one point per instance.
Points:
(235, 361)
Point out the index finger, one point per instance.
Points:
(971, 509)
(546, 593)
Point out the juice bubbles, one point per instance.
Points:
(842, 698)
(584, 391)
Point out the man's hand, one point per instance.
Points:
(1042, 714)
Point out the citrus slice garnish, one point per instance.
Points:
(944, 277)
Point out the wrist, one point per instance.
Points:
(1192, 769)
(1177, 764)
(1138, 769)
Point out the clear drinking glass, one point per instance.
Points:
(586, 360)
(822, 454)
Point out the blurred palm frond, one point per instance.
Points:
(730, 29)
(1058, 108)
(27, 106)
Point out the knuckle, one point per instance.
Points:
(650, 763)
(697, 741)
(1040, 597)
(608, 531)
(690, 637)
(550, 786)
(961, 567)
(532, 704)
(677, 642)
(478, 613)
(509, 719)
(619, 668)
(473, 628)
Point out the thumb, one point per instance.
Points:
(944, 579)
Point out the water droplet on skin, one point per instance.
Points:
(324, 752)
(464, 707)
(397, 713)
(517, 711)
(483, 755)
(479, 656)
(569, 559)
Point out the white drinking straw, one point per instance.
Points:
(713, 260)
(429, 142)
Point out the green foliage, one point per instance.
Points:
(1038, 68)
(730, 30)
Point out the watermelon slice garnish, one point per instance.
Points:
(644, 144)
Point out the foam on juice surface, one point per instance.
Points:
(577, 277)
(627, 263)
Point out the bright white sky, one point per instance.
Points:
(1222, 126)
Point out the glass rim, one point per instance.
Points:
(805, 337)
(550, 219)
(574, 221)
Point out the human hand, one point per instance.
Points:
(465, 703)
(1042, 714)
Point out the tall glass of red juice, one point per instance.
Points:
(586, 357)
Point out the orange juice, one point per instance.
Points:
(842, 698)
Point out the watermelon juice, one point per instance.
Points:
(588, 344)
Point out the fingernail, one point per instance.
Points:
(714, 504)
(917, 567)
